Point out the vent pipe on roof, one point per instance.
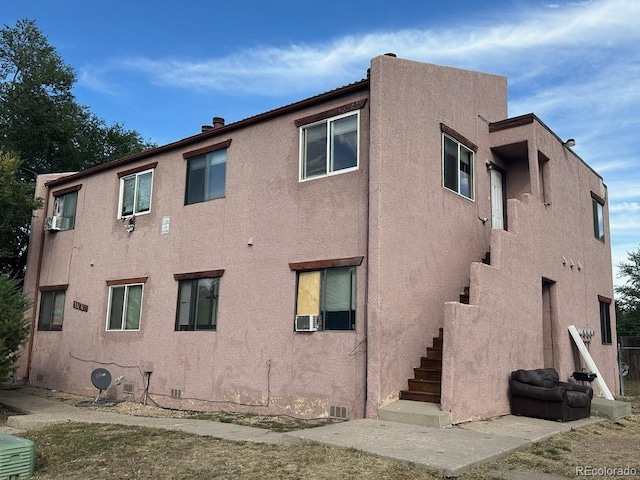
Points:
(218, 122)
(206, 128)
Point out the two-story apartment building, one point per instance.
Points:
(302, 260)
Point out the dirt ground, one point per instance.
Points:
(81, 451)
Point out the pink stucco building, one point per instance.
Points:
(402, 212)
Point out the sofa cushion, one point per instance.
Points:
(577, 399)
(541, 377)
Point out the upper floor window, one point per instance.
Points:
(64, 207)
(135, 193)
(457, 167)
(598, 217)
(329, 146)
(125, 304)
(52, 308)
(605, 319)
(206, 173)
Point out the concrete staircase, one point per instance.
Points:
(425, 414)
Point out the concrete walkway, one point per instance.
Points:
(450, 451)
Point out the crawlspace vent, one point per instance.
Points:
(338, 412)
(176, 393)
(128, 388)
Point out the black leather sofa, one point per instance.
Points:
(540, 394)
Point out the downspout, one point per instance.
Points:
(37, 284)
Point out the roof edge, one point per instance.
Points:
(261, 117)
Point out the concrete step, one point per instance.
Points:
(613, 409)
(415, 413)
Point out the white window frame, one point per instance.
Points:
(472, 185)
(68, 222)
(135, 194)
(327, 122)
(124, 307)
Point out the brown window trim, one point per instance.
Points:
(598, 198)
(316, 117)
(141, 168)
(209, 149)
(459, 138)
(126, 281)
(64, 191)
(198, 275)
(605, 299)
(54, 288)
(330, 263)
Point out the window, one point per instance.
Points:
(457, 167)
(51, 310)
(125, 307)
(64, 206)
(329, 293)
(598, 219)
(197, 304)
(135, 193)
(206, 176)
(605, 320)
(329, 146)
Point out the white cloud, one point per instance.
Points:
(555, 41)
(625, 207)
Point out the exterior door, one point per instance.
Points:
(498, 219)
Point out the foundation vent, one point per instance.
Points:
(176, 393)
(338, 412)
(40, 377)
(128, 388)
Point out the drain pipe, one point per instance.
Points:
(37, 283)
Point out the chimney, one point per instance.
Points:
(206, 128)
(218, 122)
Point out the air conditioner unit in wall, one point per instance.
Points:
(306, 323)
(53, 224)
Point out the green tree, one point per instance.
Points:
(16, 204)
(628, 295)
(42, 123)
(14, 328)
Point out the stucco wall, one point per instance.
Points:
(254, 360)
(503, 328)
(423, 236)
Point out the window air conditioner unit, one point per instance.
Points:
(306, 323)
(53, 224)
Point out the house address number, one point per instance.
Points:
(80, 306)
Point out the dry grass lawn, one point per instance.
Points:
(87, 451)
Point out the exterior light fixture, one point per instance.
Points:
(569, 143)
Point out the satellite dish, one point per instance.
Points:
(101, 379)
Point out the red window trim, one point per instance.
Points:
(126, 281)
(198, 275)
(141, 168)
(597, 198)
(209, 149)
(329, 263)
(64, 191)
(334, 112)
(605, 299)
(52, 288)
(459, 138)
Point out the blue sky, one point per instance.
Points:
(164, 68)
